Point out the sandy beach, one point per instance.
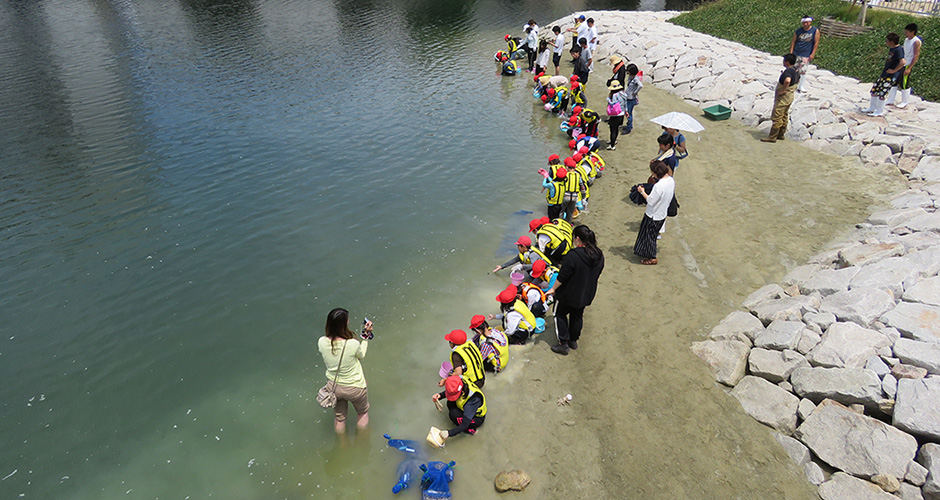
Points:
(647, 419)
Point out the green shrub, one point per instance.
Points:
(768, 25)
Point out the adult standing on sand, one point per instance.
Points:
(783, 98)
(804, 44)
(342, 353)
(575, 287)
(657, 204)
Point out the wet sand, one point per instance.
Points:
(647, 419)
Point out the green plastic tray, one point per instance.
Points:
(718, 112)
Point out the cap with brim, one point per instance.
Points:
(507, 296)
(570, 162)
(524, 241)
(578, 156)
(583, 150)
(553, 157)
(538, 267)
(581, 17)
(615, 60)
(458, 337)
(615, 85)
(477, 321)
(453, 387)
(534, 224)
(561, 173)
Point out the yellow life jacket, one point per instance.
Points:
(584, 176)
(573, 183)
(585, 165)
(472, 358)
(525, 258)
(578, 95)
(559, 192)
(512, 45)
(528, 319)
(524, 288)
(558, 231)
(471, 390)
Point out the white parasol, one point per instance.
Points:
(679, 121)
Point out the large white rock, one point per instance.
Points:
(917, 409)
(767, 403)
(861, 255)
(780, 335)
(909, 492)
(894, 218)
(876, 154)
(929, 457)
(845, 385)
(842, 486)
(797, 451)
(738, 325)
(926, 222)
(855, 443)
(775, 366)
(858, 306)
(887, 274)
(894, 142)
(830, 132)
(928, 169)
(822, 320)
(915, 321)
(925, 292)
(922, 354)
(847, 345)
(727, 359)
(785, 308)
(889, 385)
(771, 291)
(916, 474)
(808, 340)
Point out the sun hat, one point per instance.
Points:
(458, 337)
(538, 267)
(507, 296)
(615, 85)
(524, 241)
(476, 321)
(544, 79)
(453, 386)
(615, 60)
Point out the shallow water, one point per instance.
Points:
(189, 187)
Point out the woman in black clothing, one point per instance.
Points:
(575, 287)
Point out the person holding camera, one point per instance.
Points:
(342, 355)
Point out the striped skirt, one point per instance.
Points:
(645, 245)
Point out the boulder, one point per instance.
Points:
(865, 132)
(855, 443)
(738, 325)
(889, 385)
(822, 320)
(801, 274)
(893, 218)
(926, 222)
(876, 154)
(912, 199)
(915, 321)
(780, 335)
(771, 291)
(928, 169)
(894, 142)
(833, 131)
(805, 408)
(808, 340)
(916, 474)
(929, 457)
(515, 480)
(925, 292)
(797, 451)
(845, 385)
(786, 308)
(842, 486)
(866, 254)
(909, 492)
(767, 403)
(727, 359)
(847, 345)
(814, 473)
(858, 306)
(912, 372)
(773, 365)
(920, 240)
(917, 408)
(830, 281)
(887, 274)
(923, 354)
(877, 365)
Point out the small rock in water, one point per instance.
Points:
(515, 480)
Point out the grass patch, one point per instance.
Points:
(768, 25)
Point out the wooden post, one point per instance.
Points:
(861, 15)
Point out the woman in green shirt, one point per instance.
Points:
(340, 350)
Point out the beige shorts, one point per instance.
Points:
(358, 396)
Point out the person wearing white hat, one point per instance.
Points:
(804, 44)
(616, 109)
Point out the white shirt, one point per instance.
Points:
(592, 38)
(532, 298)
(583, 30)
(909, 49)
(559, 43)
(543, 58)
(657, 203)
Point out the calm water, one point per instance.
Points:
(188, 187)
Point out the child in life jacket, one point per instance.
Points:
(493, 344)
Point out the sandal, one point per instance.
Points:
(649, 262)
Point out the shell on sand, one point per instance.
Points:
(515, 480)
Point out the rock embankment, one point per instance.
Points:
(842, 357)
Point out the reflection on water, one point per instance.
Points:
(188, 187)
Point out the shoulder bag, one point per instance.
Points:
(326, 396)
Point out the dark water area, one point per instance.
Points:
(189, 187)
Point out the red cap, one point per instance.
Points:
(576, 110)
(582, 136)
(534, 224)
(570, 162)
(507, 296)
(577, 156)
(571, 143)
(453, 386)
(573, 78)
(524, 241)
(504, 58)
(583, 150)
(553, 157)
(561, 173)
(551, 92)
(506, 38)
(544, 99)
(545, 219)
(478, 320)
(458, 337)
(538, 267)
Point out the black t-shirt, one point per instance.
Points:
(895, 54)
(791, 74)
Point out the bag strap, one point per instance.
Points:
(339, 365)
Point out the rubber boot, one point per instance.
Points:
(872, 105)
(772, 137)
(879, 109)
(905, 98)
(892, 94)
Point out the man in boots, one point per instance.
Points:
(783, 98)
